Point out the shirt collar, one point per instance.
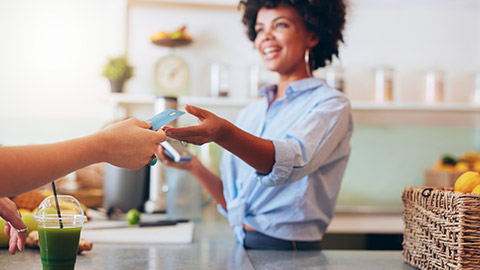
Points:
(295, 87)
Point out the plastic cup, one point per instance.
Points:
(59, 236)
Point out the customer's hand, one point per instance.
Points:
(13, 222)
(210, 128)
(131, 143)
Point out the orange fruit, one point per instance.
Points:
(467, 182)
(476, 189)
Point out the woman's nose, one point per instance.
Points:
(267, 35)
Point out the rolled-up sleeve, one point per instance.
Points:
(313, 141)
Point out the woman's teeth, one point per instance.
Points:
(269, 50)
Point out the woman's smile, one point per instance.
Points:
(271, 52)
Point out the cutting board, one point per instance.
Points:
(181, 233)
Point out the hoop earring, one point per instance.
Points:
(307, 62)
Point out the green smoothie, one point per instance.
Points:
(58, 247)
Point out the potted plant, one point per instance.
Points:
(117, 70)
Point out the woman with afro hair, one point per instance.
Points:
(287, 152)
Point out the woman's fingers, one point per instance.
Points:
(12, 244)
(7, 229)
(184, 133)
(196, 111)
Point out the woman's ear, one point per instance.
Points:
(312, 40)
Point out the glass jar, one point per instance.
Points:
(219, 80)
(335, 77)
(476, 93)
(259, 77)
(434, 92)
(384, 84)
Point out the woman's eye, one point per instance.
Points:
(281, 25)
(258, 30)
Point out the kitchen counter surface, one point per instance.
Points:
(366, 223)
(213, 247)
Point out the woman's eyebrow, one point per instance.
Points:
(274, 20)
(281, 17)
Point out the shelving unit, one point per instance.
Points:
(416, 114)
(136, 99)
(142, 106)
(410, 106)
(364, 112)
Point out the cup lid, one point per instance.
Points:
(70, 208)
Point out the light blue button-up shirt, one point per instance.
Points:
(310, 129)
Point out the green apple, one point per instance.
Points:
(133, 216)
(27, 218)
(3, 238)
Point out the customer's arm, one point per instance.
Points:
(128, 144)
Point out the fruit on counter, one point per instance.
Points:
(445, 163)
(476, 166)
(449, 160)
(27, 217)
(468, 161)
(470, 156)
(31, 199)
(476, 190)
(3, 238)
(462, 166)
(133, 216)
(467, 182)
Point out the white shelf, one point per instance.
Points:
(132, 99)
(215, 101)
(400, 106)
(143, 99)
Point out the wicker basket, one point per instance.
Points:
(442, 228)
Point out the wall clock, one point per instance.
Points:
(172, 76)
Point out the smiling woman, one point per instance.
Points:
(287, 153)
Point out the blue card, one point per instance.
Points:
(164, 118)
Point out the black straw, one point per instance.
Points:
(58, 207)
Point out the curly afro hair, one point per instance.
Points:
(326, 18)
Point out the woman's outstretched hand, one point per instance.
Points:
(210, 128)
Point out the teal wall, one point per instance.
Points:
(384, 159)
